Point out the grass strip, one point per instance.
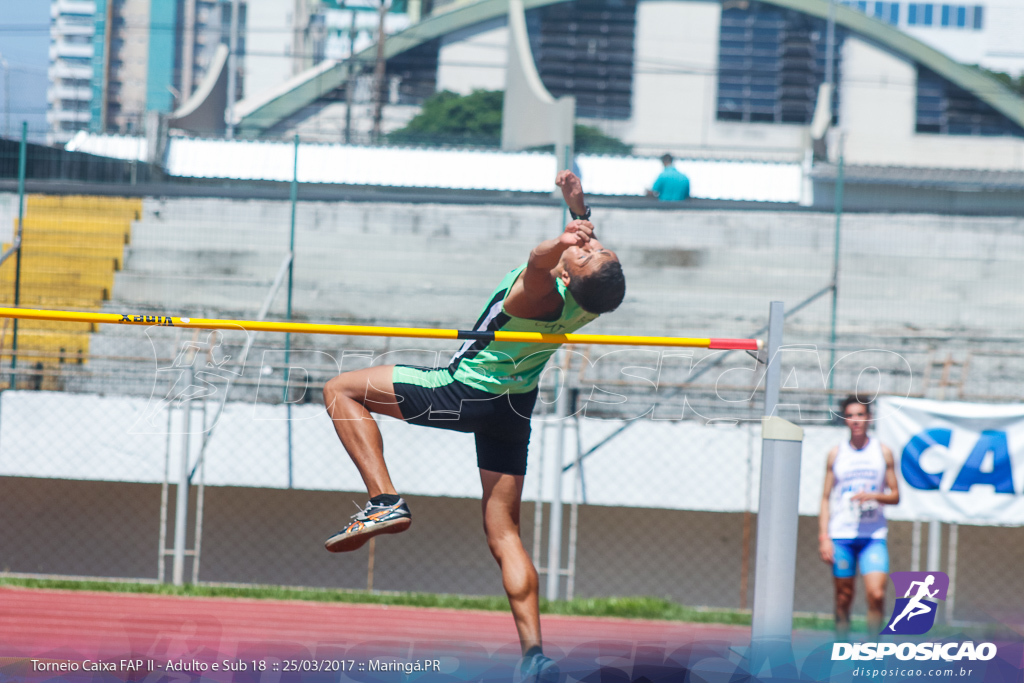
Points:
(611, 607)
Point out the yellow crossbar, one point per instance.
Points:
(370, 331)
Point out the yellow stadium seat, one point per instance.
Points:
(71, 247)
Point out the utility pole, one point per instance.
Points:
(232, 69)
(830, 46)
(353, 73)
(379, 76)
(7, 96)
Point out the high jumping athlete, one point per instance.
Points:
(488, 389)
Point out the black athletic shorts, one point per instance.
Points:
(500, 422)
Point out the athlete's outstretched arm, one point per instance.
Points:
(534, 294)
(572, 192)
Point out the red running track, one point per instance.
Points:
(79, 625)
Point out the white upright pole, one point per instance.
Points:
(181, 505)
(954, 543)
(538, 508)
(934, 546)
(777, 519)
(773, 371)
(915, 547)
(555, 517)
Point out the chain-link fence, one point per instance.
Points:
(658, 456)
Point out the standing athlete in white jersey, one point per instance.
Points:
(859, 479)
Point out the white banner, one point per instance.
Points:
(956, 462)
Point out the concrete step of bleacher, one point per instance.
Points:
(75, 224)
(56, 250)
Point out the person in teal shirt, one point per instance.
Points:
(672, 185)
(488, 389)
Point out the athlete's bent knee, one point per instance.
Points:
(337, 387)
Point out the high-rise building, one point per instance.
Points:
(71, 70)
(121, 68)
(151, 55)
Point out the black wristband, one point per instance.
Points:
(584, 217)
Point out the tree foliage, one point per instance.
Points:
(590, 140)
(448, 118)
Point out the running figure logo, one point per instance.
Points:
(914, 613)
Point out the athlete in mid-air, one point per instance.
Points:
(860, 477)
(491, 386)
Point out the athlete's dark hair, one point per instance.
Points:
(666, 159)
(602, 291)
(853, 398)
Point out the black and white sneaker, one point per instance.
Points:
(369, 522)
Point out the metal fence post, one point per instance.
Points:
(835, 267)
(22, 154)
(288, 315)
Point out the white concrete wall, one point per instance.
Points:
(474, 58)
(674, 73)
(675, 88)
(268, 43)
(878, 103)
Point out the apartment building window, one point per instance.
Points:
(947, 109)
(888, 12)
(771, 63)
(74, 105)
(950, 16)
(585, 48)
(77, 19)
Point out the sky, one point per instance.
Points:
(24, 43)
